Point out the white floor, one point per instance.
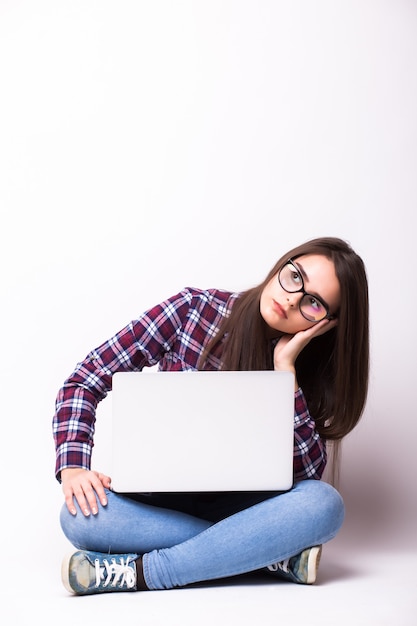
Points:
(365, 578)
(362, 589)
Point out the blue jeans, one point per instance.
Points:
(187, 538)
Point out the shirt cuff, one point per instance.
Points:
(72, 454)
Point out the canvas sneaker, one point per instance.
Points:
(301, 568)
(85, 572)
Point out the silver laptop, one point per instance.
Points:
(202, 431)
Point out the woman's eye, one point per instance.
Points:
(315, 303)
(295, 276)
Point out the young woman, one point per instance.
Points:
(309, 316)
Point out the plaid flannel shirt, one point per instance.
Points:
(173, 335)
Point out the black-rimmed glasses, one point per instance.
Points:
(311, 307)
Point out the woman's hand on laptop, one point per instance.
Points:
(87, 487)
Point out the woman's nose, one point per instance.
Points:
(294, 298)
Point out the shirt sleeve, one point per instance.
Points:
(310, 455)
(141, 343)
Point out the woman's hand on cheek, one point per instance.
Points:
(289, 346)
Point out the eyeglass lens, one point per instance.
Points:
(292, 281)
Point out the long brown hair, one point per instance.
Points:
(333, 369)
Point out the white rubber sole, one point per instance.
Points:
(65, 572)
(313, 564)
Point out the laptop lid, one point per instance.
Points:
(202, 431)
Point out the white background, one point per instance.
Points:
(146, 146)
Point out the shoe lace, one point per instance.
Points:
(282, 565)
(116, 573)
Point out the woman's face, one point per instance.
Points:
(280, 309)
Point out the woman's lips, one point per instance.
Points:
(278, 308)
